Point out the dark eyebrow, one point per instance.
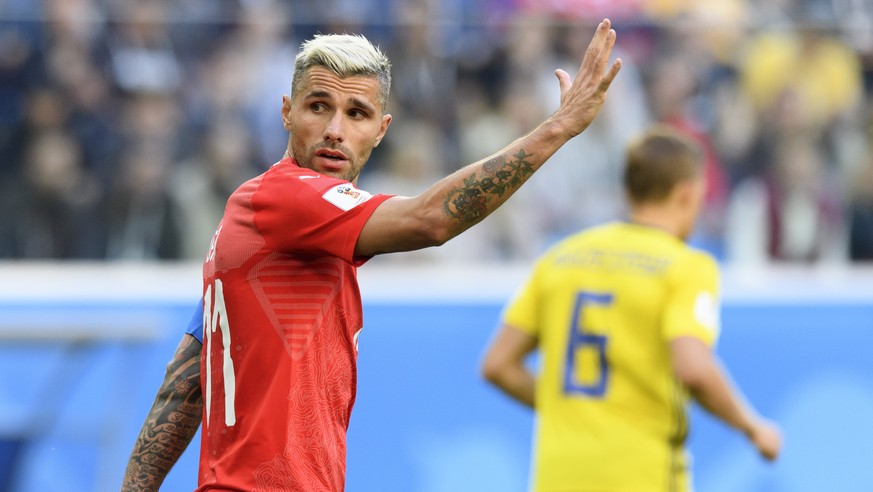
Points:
(318, 94)
(356, 102)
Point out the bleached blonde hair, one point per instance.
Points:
(346, 55)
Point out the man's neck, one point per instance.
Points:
(656, 218)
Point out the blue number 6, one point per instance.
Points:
(579, 339)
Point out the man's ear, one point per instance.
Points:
(683, 193)
(286, 112)
(386, 121)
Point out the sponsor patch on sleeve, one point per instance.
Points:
(706, 311)
(345, 196)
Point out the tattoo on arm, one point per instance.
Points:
(171, 422)
(469, 203)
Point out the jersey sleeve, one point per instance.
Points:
(522, 310)
(316, 215)
(195, 326)
(693, 306)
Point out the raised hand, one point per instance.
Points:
(767, 438)
(582, 97)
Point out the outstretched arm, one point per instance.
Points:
(457, 202)
(504, 366)
(698, 369)
(171, 422)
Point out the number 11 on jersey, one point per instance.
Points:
(215, 316)
(589, 379)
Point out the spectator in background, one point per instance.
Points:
(426, 72)
(51, 212)
(44, 111)
(141, 53)
(259, 56)
(861, 212)
(74, 54)
(89, 109)
(791, 214)
(140, 215)
(799, 84)
(821, 70)
(20, 71)
(232, 80)
(803, 86)
(201, 184)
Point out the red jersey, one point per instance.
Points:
(281, 315)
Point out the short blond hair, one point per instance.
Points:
(346, 55)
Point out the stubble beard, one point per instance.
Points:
(304, 160)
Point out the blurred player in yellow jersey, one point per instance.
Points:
(625, 317)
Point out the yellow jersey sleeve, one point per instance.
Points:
(693, 307)
(522, 310)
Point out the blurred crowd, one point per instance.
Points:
(125, 125)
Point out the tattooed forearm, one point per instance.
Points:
(171, 422)
(469, 203)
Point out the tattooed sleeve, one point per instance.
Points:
(171, 422)
(469, 203)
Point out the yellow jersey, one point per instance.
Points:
(604, 305)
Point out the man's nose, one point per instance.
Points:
(334, 130)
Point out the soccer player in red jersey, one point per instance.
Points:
(282, 310)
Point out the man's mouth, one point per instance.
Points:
(333, 155)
